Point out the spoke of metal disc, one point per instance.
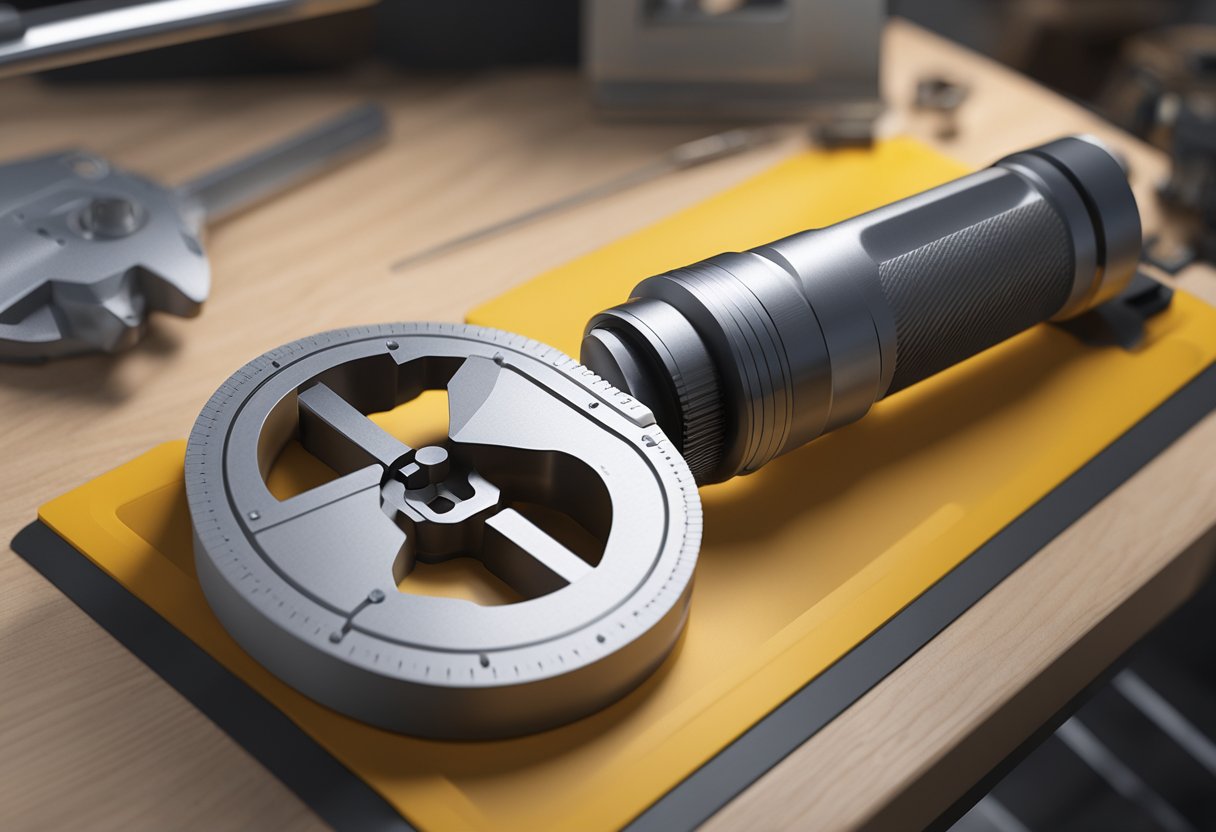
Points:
(490, 404)
(335, 432)
(525, 556)
(306, 502)
(336, 545)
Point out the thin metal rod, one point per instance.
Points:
(1167, 718)
(237, 186)
(69, 33)
(1121, 779)
(686, 155)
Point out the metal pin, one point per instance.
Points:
(681, 157)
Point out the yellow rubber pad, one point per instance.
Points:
(800, 562)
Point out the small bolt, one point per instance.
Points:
(335, 636)
(431, 467)
(600, 639)
(110, 217)
(392, 345)
(484, 659)
(375, 596)
(254, 515)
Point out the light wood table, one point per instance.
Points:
(90, 737)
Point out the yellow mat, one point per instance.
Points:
(800, 562)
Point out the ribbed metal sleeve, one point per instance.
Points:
(960, 294)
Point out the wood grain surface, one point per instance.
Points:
(91, 738)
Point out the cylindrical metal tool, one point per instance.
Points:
(745, 356)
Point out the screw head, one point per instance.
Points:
(110, 217)
(432, 467)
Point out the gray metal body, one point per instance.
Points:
(87, 250)
(746, 356)
(309, 585)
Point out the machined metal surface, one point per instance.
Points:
(88, 250)
(309, 584)
(746, 356)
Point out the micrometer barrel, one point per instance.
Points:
(745, 356)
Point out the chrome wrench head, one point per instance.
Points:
(88, 250)
(309, 584)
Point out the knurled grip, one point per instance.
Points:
(958, 295)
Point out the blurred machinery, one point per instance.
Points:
(813, 60)
(1164, 89)
(47, 36)
(752, 59)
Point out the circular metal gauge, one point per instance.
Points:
(309, 584)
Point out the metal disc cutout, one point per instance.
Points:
(308, 584)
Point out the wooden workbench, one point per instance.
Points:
(90, 737)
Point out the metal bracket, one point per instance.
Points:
(1121, 320)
